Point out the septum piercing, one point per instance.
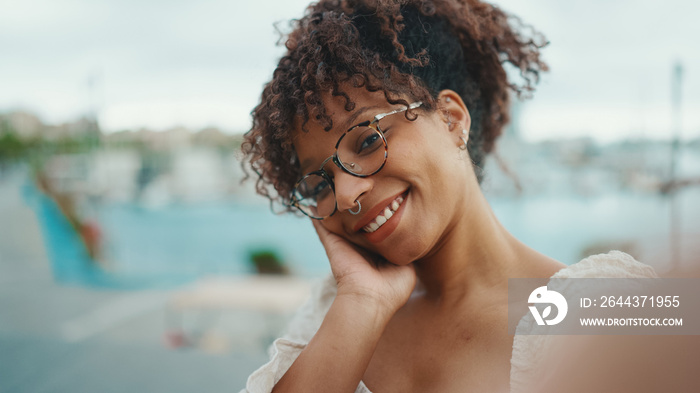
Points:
(359, 208)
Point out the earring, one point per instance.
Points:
(464, 140)
(448, 99)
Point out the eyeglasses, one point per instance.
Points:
(361, 151)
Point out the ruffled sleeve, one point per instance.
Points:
(287, 348)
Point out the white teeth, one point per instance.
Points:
(384, 216)
(388, 213)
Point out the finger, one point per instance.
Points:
(324, 234)
(320, 229)
(341, 251)
(331, 242)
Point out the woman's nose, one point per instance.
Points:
(349, 188)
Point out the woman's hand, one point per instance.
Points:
(365, 276)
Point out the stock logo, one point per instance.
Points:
(542, 295)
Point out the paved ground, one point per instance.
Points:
(55, 338)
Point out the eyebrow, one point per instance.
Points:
(350, 122)
(347, 124)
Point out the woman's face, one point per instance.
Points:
(424, 183)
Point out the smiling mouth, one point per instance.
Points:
(384, 215)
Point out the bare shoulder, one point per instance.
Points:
(539, 266)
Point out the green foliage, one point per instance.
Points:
(11, 147)
(267, 261)
(15, 147)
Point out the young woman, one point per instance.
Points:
(376, 125)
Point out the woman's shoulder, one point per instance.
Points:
(614, 264)
(529, 351)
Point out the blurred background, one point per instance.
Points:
(133, 259)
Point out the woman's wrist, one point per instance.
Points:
(368, 304)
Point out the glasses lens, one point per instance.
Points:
(362, 151)
(314, 196)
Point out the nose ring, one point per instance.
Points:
(359, 207)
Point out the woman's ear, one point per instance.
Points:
(454, 112)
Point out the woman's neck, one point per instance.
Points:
(477, 254)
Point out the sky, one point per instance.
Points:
(161, 64)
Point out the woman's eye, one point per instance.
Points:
(322, 190)
(369, 143)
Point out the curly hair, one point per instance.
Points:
(402, 48)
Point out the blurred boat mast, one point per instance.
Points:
(676, 97)
(94, 85)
